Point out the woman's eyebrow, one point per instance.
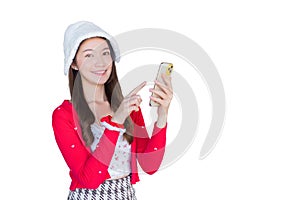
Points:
(88, 50)
(105, 48)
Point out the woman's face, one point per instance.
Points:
(94, 61)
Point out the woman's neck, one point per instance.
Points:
(96, 99)
(93, 93)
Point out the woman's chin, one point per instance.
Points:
(101, 80)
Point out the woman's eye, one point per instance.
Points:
(89, 55)
(106, 53)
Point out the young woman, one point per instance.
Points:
(100, 133)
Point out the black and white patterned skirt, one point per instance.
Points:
(117, 189)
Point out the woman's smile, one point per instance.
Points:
(99, 72)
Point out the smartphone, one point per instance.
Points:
(164, 68)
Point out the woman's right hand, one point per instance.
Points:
(130, 103)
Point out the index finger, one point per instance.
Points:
(137, 89)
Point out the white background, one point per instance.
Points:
(255, 46)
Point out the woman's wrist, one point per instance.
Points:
(114, 122)
(161, 121)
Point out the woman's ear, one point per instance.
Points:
(74, 66)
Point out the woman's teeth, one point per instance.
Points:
(100, 72)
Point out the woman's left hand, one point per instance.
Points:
(164, 97)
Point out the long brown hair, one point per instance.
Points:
(86, 117)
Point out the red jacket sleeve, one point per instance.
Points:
(150, 151)
(89, 169)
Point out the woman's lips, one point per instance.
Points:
(99, 72)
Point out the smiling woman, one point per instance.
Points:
(100, 133)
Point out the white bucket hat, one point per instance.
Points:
(79, 31)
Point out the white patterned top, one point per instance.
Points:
(120, 163)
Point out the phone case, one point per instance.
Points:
(164, 68)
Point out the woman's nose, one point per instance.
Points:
(99, 61)
(103, 60)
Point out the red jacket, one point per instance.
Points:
(89, 169)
